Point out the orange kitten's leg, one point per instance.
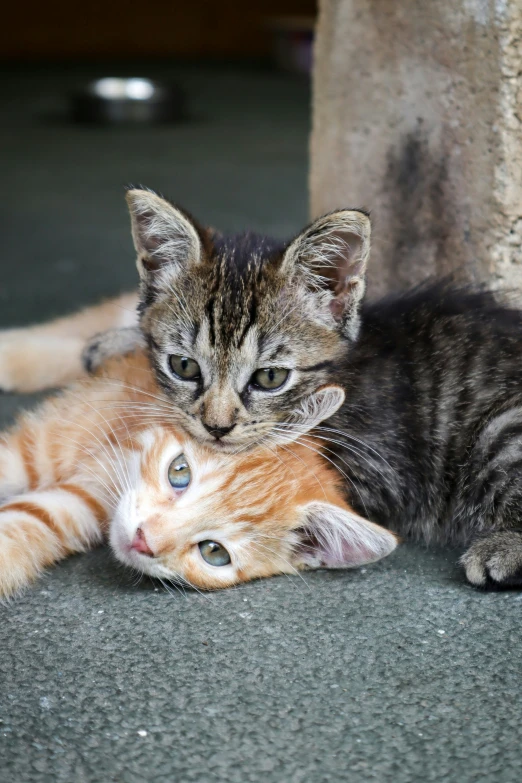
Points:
(49, 355)
(16, 464)
(39, 528)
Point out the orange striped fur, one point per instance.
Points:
(92, 463)
(49, 355)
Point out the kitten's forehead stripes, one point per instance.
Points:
(281, 352)
(236, 274)
(326, 365)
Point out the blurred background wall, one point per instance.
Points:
(237, 158)
(159, 28)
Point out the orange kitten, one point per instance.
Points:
(105, 459)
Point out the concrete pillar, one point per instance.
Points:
(417, 115)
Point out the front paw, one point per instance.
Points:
(93, 354)
(115, 342)
(495, 561)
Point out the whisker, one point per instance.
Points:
(135, 312)
(82, 466)
(285, 448)
(177, 587)
(288, 563)
(136, 389)
(352, 449)
(358, 440)
(123, 466)
(84, 449)
(322, 454)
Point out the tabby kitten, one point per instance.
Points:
(241, 329)
(107, 459)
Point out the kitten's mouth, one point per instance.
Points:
(232, 446)
(137, 560)
(220, 447)
(225, 445)
(127, 551)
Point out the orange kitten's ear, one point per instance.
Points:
(163, 235)
(333, 537)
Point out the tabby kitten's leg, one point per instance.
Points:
(490, 503)
(39, 528)
(50, 355)
(495, 559)
(115, 342)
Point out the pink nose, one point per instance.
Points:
(139, 544)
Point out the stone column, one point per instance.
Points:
(417, 115)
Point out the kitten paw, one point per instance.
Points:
(115, 342)
(495, 561)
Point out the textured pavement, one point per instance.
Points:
(398, 672)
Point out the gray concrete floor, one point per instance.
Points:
(397, 672)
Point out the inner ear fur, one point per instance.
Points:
(332, 253)
(317, 407)
(330, 536)
(163, 234)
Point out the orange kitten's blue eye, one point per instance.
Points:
(214, 553)
(179, 473)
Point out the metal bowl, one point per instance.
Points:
(116, 100)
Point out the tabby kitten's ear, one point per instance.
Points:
(332, 254)
(333, 537)
(163, 235)
(315, 408)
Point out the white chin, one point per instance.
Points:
(129, 557)
(120, 545)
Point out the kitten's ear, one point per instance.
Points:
(334, 537)
(315, 408)
(163, 235)
(333, 253)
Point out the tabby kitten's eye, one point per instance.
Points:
(213, 553)
(269, 378)
(179, 473)
(184, 367)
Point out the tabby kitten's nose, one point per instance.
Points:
(139, 543)
(218, 432)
